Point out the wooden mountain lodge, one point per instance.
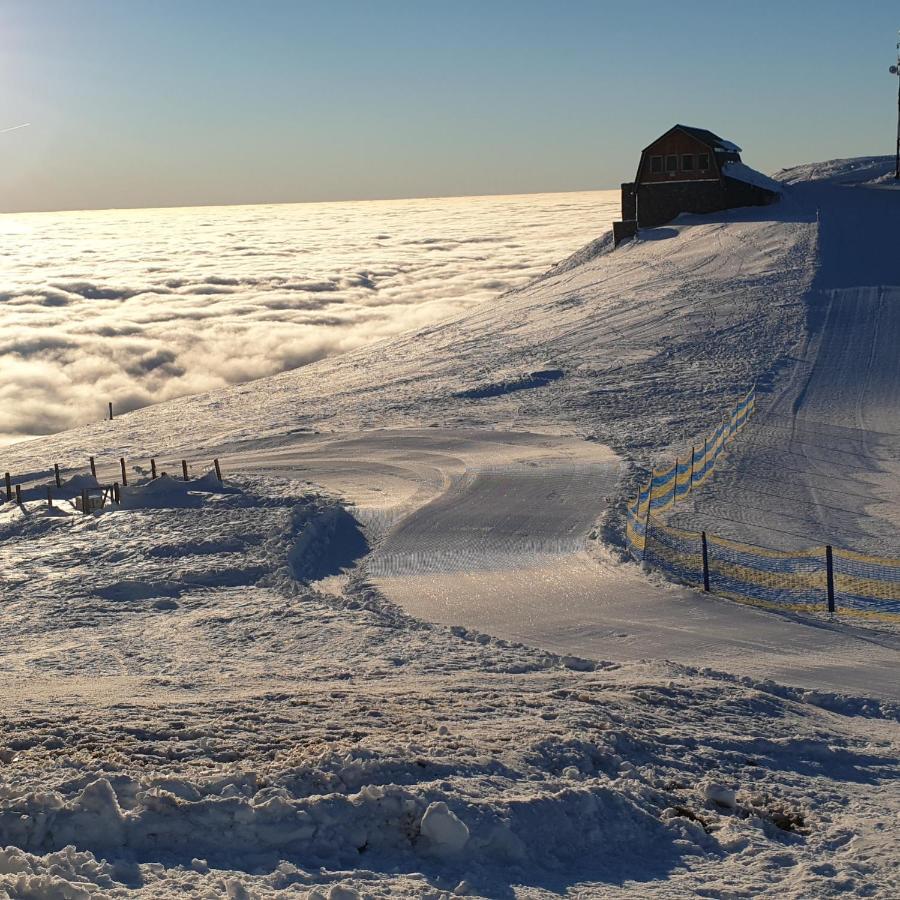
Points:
(689, 170)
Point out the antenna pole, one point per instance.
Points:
(895, 70)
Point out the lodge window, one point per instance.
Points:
(672, 163)
(687, 162)
(656, 164)
(703, 161)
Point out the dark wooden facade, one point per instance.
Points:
(684, 170)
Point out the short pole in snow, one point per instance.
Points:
(85, 503)
(124, 474)
(49, 497)
(184, 469)
(218, 470)
(693, 456)
(829, 577)
(647, 520)
(152, 467)
(675, 484)
(8, 487)
(117, 496)
(705, 561)
(110, 411)
(19, 494)
(93, 467)
(56, 474)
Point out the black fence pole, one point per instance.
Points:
(829, 577)
(184, 470)
(705, 561)
(93, 466)
(56, 474)
(152, 467)
(49, 497)
(218, 469)
(19, 494)
(124, 474)
(8, 487)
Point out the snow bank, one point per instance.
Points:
(858, 171)
(168, 492)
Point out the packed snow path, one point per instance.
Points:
(489, 530)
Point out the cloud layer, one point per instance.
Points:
(140, 306)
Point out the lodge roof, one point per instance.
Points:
(710, 138)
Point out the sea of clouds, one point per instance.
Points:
(139, 306)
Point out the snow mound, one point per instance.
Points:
(169, 492)
(858, 170)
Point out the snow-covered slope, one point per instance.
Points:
(641, 346)
(217, 691)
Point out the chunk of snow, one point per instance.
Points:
(446, 833)
(718, 793)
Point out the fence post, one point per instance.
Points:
(116, 494)
(829, 577)
(124, 475)
(19, 494)
(152, 467)
(8, 487)
(85, 504)
(110, 411)
(705, 562)
(49, 497)
(56, 474)
(691, 484)
(647, 519)
(93, 467)
(675, 484)
(184, 469)
(218, 470)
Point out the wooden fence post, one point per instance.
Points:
(124, 474)
(110, 411)
(705, 562)
(675, 484)
(218, 470)
(56, 474)
(152, 467)
(829, 577)
(49, 497)
(117, 496)
(85, 503)
(693, 455)
(19, 494)
(184, 469)
(647, 519)
(93, 467)
(8, 487)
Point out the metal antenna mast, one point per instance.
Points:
(895, 70)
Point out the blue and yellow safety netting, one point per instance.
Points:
(863, 585)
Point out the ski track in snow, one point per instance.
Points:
(235, 690)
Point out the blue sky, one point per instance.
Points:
(182, 102)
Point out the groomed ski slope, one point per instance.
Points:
(821, 463)
(235, 690)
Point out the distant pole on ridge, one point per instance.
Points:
(895, 70)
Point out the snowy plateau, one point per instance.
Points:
(399, 651)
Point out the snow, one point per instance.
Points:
(397, 652)
(446, 834)
(741, 172)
